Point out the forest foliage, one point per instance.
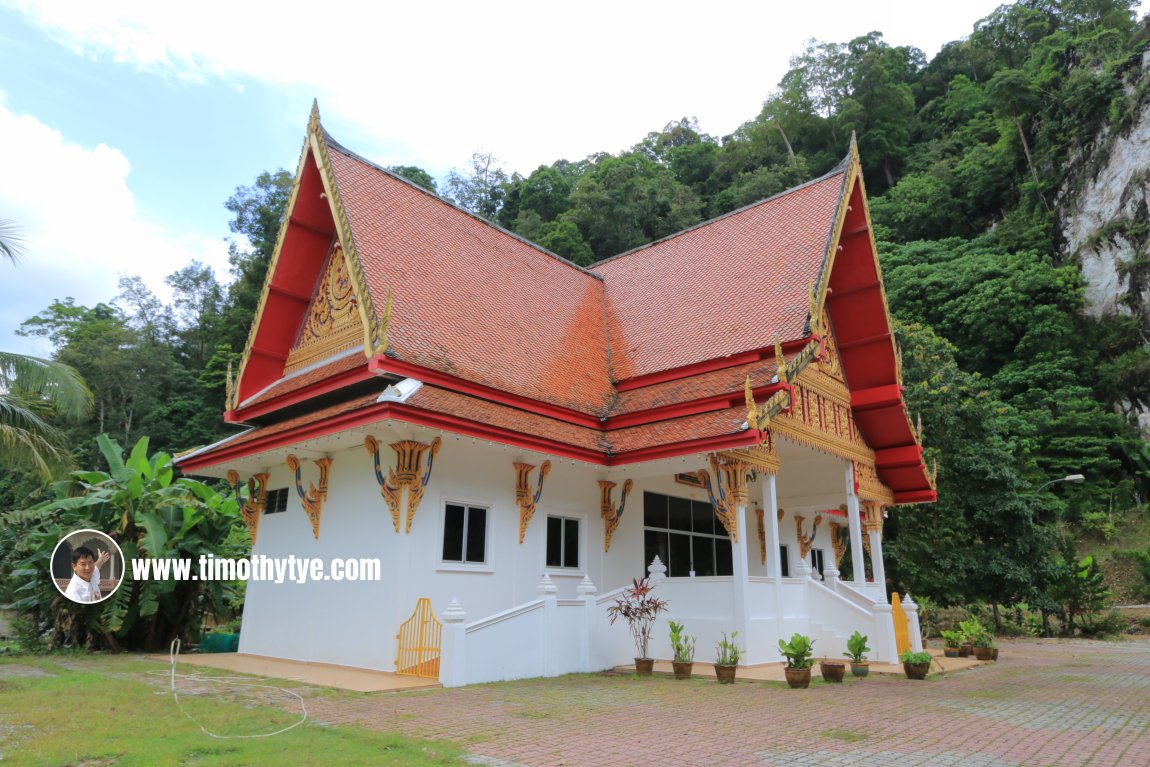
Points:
(971, 158)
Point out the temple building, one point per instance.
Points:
(515, 438)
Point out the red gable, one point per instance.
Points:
(643, 356)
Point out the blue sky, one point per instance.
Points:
(124, 126)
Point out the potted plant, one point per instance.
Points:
(832, 670)
(857, 648)
(639, 608)
(953, 641)
(727, 654)
(970, 628)
(684, 649)
(916, 665)
(984, 646)
(798, 653)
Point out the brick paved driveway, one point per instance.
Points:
(1045, 703)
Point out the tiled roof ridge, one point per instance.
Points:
(840, 168)
(333, 144)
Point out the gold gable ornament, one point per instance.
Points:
(611, 515)
(524, 499)
(313, 500)
(252, 506)
(333, 322)
(408, 473)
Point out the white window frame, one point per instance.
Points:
(454, 565)
(578, 569)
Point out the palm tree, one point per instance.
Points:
(31, 390)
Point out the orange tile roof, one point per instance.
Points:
(726, 381)
(472, 300)
(723, 287)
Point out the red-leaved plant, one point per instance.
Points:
(639, 608)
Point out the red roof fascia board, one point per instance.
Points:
(676, 449)
(907, 455)
(876, 396)
(382, 365)
(691, 407)
(916, 496)
(708, 366)
(241, 414)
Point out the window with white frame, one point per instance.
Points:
(465, 534)
(562, 542)
(685, 535)
(817, 561)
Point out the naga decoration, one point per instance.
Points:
(840, 534)
(611, 515)
(408, 473)
(314, 498)
(523, 496)
(729, 491)
(762, 537)
(252, 506)
(230, 389)
(806, 542)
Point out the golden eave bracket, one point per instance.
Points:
(524, 499)
(607, 509)
(252, 506)
(313, 500)
(408, 473)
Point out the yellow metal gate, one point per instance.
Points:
(901, 625)
(419, 640)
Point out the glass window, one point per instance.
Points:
(465, 534)
(276, 501)
(784, 562)
(562, 542)
(817, 561)
(684, 535)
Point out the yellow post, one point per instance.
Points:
(901, 625)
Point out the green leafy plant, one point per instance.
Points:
(798, 652)
(985, 639)
(682, 646)
(727, 652)
(971, 629)
(856, 648)
(640, 609)
(915, 658)
(952, 639)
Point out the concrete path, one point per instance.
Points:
(1058, 703)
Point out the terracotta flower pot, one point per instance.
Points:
(965, 651)
(832, 671)
(982, 653)
(798, 678)
(994, 653)
(951, 652)
(916, 670)
(725, 674)
(682, 668)
(644, 666)
(860, 669)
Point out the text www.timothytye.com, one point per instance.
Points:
(291, 569)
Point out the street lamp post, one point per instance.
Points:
(1068, 478)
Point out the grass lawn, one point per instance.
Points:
(90, 711)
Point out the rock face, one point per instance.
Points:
(1106, 222)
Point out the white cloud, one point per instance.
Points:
(428, 83)
(80, 226)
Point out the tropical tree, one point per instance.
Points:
(149, 513)
(32, 391)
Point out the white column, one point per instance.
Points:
(858, 566)
(587, 591)
(740, 573)
(876, 562)
(771, 525)
(453, 652)
(913, 627)
(550, 639)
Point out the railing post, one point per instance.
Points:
(886, 649)
(656, 571)
(586, 589)
(453, 655)
(550, 649)
(914, 628)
